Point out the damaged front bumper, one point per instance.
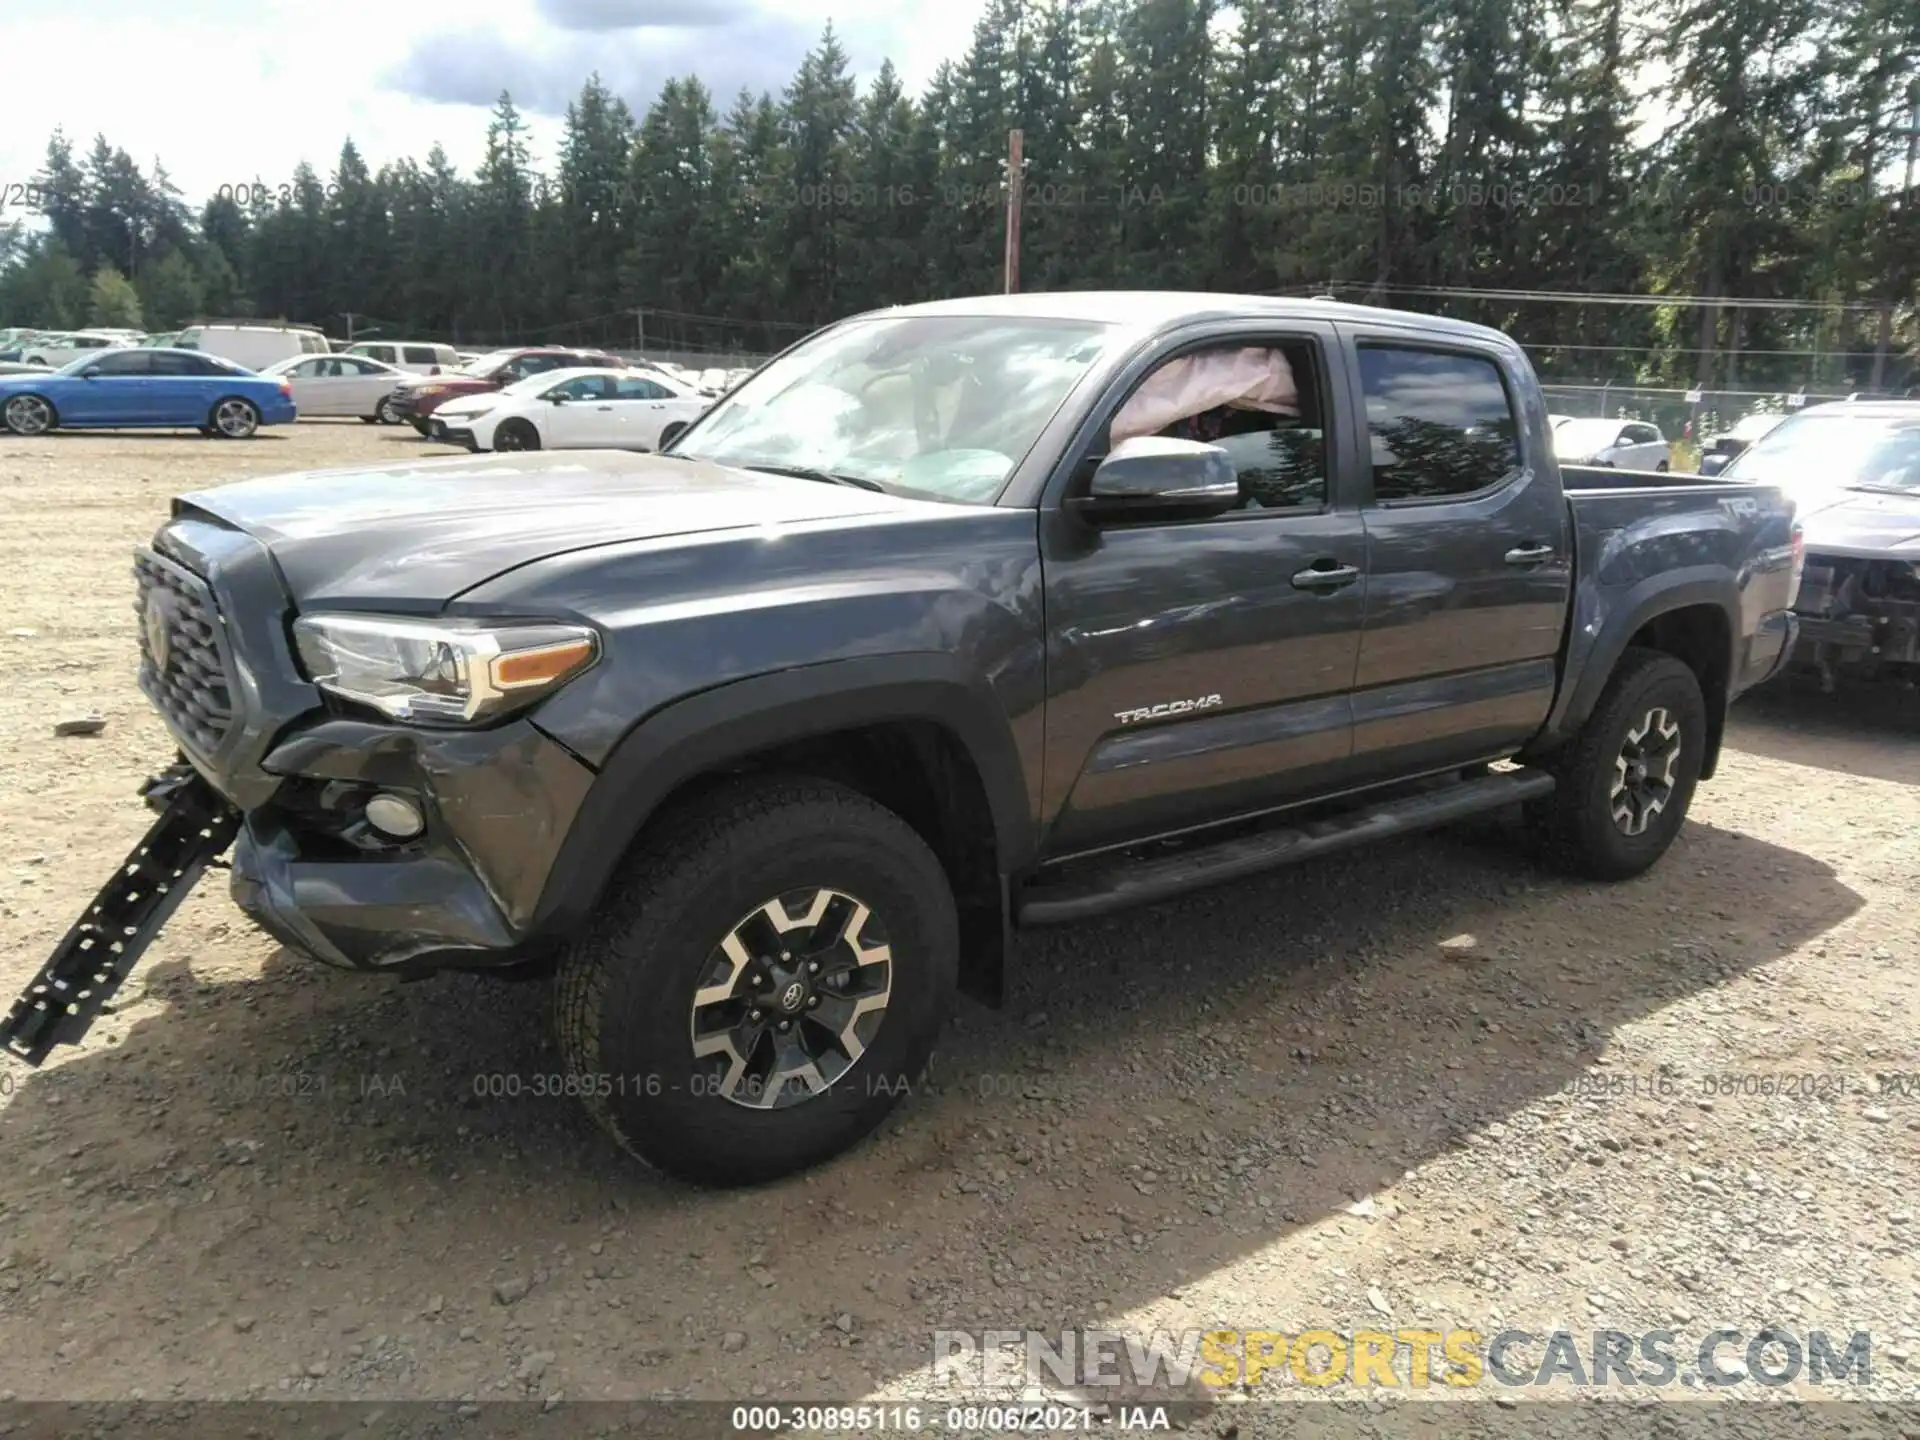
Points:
(1859, 616)
(314, 872)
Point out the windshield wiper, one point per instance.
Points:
(829, 477)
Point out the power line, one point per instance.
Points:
(1586, 297)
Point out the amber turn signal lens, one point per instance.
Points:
(521, 668)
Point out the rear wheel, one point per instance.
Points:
(30, 415)
(763, 985)
(672, 433)
(386, 414)
(516, 435)
(1625, 782)
(235, 419)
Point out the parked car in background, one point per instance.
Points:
(417, 397)
(21, 367)
(416, 357)
(1613, 444)
(1721, 449)
(573, 410)
(14, 341)
(338, 384)
(56, 349)
(1853, 470)
(140, 388)
(254, 346)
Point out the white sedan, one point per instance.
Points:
(337, 384)
(573, 410)
(1620, 444)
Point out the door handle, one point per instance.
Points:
(1326, 575)
(603, 407)
(1530, 555)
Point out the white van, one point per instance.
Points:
(254, 346)
(418, 357)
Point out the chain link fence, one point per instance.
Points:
(1688, 418)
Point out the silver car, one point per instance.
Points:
(1852, 469)
(1622, 444)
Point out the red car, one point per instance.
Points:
(419, 396)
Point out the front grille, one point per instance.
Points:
(187, 679)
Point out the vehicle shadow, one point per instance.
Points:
(1848, 731)
(72, 437)
(306, 1155)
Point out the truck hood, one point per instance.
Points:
(1861, 523)
(421, 533)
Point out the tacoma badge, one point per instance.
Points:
(1171, 707)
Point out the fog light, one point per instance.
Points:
(391, 815)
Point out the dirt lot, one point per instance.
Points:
(1276, 1106)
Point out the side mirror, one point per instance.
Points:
(557, 399)
(1150, 477)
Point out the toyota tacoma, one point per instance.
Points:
(953, 620)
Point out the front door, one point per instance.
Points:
(1200, 669)
(1469, 558)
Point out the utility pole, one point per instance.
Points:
(1016, 177)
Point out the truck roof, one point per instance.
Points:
(1160, 309)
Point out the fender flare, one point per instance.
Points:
(712, 728)
(1653, 597)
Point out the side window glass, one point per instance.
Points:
(1259, 403)
(1440, 423)
(421, 355)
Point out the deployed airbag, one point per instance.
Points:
(1251, 378)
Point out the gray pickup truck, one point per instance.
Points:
(955, 619)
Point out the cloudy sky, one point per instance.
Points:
(230, 91)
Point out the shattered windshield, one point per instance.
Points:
(942, 406)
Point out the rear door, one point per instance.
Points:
(1199, 669)
(1468, 553)
(1646, 450)
(642, 406)
(363, 385)
(183, 388)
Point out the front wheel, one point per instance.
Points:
(386, 414)
(1624, 784)
(516, 435)
(672, 433)
(235, 419)
(29, 415)
(763, 985)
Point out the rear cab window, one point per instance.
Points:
(1441, 423)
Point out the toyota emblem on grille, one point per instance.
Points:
(159, 619)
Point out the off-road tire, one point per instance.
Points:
(1577, 822)
(623, 997)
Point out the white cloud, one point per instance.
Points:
(230, 92)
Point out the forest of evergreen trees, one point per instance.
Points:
(1399, 149)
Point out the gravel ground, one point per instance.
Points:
(1282, 1105)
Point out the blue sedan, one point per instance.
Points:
(146, 388)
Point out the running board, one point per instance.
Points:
(1120, 883)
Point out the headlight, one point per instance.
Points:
(440, 672)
